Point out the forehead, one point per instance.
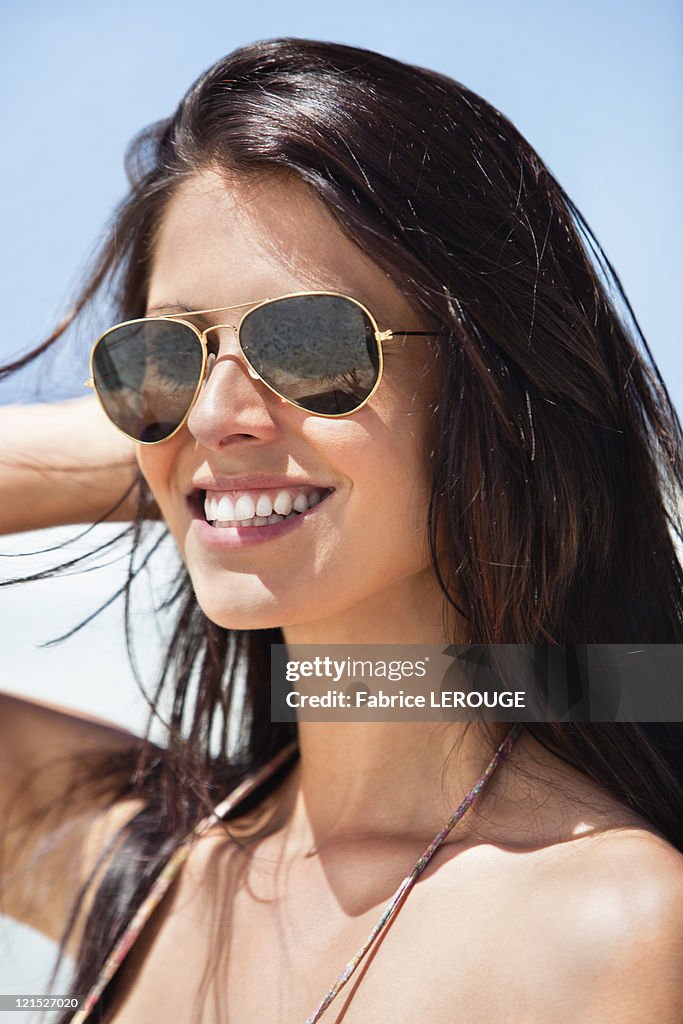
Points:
(223, 241)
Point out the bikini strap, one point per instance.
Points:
(167, 875)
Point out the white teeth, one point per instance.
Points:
(210, 508)
(245, 507)
(283, 503)
(264, 506)
(260, 509)
(300, 503)
(226, 508)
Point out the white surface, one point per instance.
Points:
(89, 671)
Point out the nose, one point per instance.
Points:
(233, 407)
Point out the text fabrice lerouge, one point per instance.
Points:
(437, 699)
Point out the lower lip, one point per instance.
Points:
(228, 538)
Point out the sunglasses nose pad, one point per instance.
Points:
(210, 363)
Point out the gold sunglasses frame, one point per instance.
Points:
(379, 337)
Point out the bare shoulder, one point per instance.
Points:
(605, 918)
(630, 879)
(588, 898)
(621, 856)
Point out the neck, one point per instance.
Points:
(416, 612)
(382, 780)
(398, 780)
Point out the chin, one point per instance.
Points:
(241, 614)
(245, 602)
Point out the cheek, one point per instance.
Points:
(384, 460)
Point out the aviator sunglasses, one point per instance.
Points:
(319, 351)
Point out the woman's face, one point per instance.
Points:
(364, 544)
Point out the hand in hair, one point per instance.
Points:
(63, 463)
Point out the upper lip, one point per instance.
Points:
(253, 481)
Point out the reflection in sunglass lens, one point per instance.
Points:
(146, 375)
(318, 351)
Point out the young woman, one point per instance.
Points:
(381, 386)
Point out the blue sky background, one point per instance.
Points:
(596, 87)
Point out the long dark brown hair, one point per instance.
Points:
(557, 465)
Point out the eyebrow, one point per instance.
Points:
(180, 309)
(169, 308)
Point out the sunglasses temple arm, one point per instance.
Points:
(388, 335)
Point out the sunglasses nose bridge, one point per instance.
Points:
(235, 330)
(219, 327)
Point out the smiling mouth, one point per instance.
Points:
(221, 509)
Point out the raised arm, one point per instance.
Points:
(62, 463)
(54, 818)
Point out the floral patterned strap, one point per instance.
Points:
(163, 881)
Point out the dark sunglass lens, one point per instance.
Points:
(319, 351)
(146, 376)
